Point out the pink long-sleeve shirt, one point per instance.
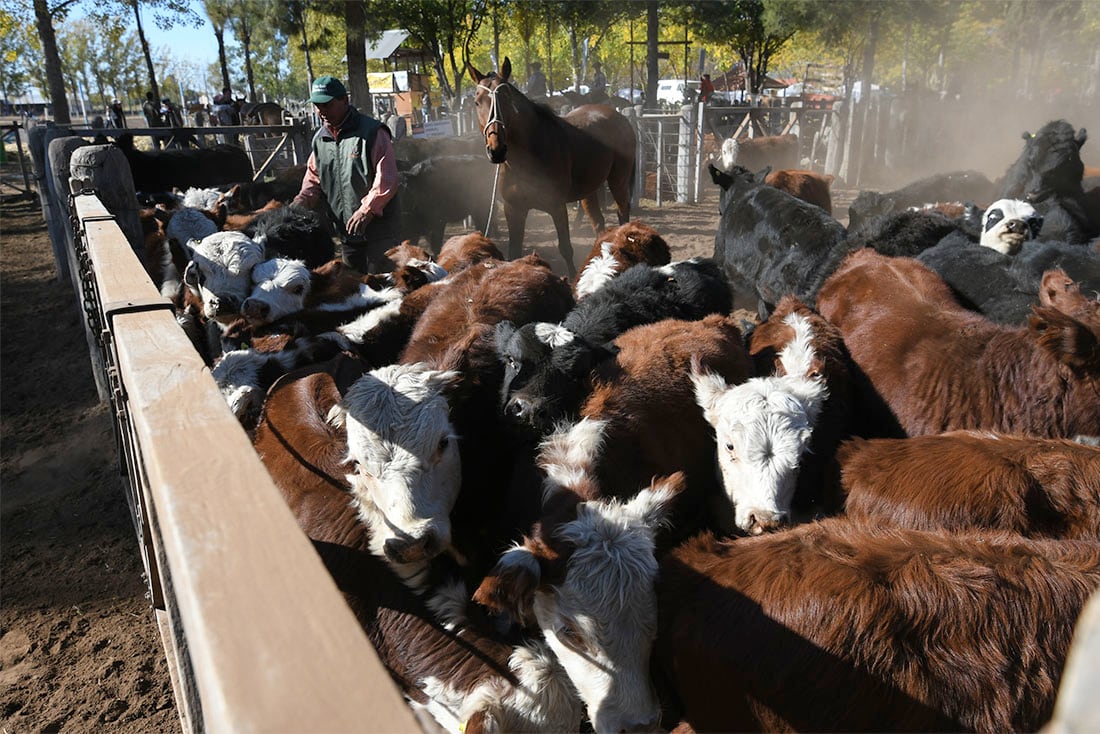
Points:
(385, 174)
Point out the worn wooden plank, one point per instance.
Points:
(266, 641)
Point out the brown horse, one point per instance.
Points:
(547, 161)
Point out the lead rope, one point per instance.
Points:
(494, 116)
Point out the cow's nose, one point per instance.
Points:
(1016, 226)
(410, 550)
(761, 521)
(519, 408)
(255, 310)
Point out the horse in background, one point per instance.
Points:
(547, 161)
(261, 113)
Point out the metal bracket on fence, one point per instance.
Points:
(137, 305)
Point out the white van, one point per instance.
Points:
(671, 92)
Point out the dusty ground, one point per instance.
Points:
(79, 647)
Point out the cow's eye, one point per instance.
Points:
(298, 290)
(732, 451)
(443, 444)
(570, 636)
(513, 363)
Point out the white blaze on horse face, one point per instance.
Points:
(602, 620)
(224, 262)
(405, 452)
(282, 285)
(1008, 223)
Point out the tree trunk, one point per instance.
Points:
(145, 51)
(651, 48)
(59, 103)
(355, 21)
(496, 36)
(859, 117)
(305, 50)
(246, 47)
(575, 55)
(219, 33)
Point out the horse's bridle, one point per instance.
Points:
(494, 115)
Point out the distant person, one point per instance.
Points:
(170, 113)
(116, 115)
(397, 125)
(536, 81)
(151, 111)
(598, 88)
(352, 175)
(426, 106)
(706, 89)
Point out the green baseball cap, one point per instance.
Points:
(325, 88)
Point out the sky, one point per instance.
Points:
(196, 45)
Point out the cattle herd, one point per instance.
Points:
(617, 503)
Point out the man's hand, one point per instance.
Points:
(359, 220)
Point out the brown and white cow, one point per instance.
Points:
(940, 367)
(842, 626)
(447, 664)
(777, 432)
(404, 421)
(809, 186)
(965, 480)
(755, 154)
(585, 577)
(615, 250)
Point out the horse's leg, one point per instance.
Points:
(592, 207)
(565, 246)
(516, 217)
(620, 184)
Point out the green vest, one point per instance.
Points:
(347, 175)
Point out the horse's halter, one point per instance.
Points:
(494, 119)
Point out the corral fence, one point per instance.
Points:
(257, 636)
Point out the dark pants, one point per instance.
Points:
(368, 257)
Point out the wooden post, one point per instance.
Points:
(104, 168)
(38, 141)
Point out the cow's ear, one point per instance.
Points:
(762, 174)
(709, 389)
(1082, 136)
(1066, 339)
(503, 333)
(719, 176)
(651, 506)
(506, 70)
(510, 587)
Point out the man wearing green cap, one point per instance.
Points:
(353, 169)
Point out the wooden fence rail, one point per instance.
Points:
(257, 634)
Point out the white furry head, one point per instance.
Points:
(597, 272)
(406, 459)
(201, 198)
(728, 159)
(280, 288)
(189, 224)
(553, 335)
(220, 271)
(763, 427)
(1008, 223)
(601, 620)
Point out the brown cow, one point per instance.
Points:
(941, 367)
(838, 626)
(450, 667)
(967, 480)
(806, 185)
(755, 154)
(462, 251)
(615, 250)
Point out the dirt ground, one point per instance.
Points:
(79, 646)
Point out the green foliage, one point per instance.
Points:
(17, 44)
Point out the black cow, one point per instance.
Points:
(771, 244)
(1048, 175)
(1003, 287)
(445, 189)
(961, 186)
(183, 168)
(295, 233)
(910, 232)
(547, 366)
